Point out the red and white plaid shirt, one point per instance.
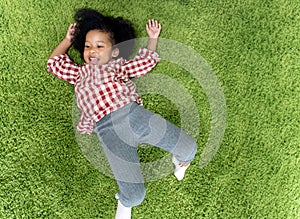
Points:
(102, 89)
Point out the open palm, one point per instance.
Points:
(153, 28)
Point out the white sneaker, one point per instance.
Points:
(179, 169)
(123, 212)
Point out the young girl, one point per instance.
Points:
(110, 106)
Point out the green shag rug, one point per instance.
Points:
(253, 49)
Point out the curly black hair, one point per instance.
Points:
(119, 30)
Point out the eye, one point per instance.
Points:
(87, 46)
(100, 46)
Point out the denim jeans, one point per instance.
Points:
(123, 130)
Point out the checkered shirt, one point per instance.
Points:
(102, 89)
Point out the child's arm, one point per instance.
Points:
(65, 44)
(153, 29)
(59, 63)
(146, 60)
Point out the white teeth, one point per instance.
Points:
(93, 60)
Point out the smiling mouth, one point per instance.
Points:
(93, 60)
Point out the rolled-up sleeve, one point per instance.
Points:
(64, 68)
(142, 63)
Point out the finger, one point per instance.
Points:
(71, 27)
(148, 25)
(154, 23)
(159, 25)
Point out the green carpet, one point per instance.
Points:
(252, 47)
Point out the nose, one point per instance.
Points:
(92, 51)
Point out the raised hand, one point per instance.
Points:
(70, 32)
(65, 44)
(153, 28)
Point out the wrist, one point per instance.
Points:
(152, 44)
(68, 40)
(66, 43)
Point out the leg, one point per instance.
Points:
(127, 172)
(120, 148)
(153, 129)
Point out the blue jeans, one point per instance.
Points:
(123, 130)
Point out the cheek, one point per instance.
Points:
(85, 56)
(107, 53)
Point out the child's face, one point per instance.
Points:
(98, 48)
